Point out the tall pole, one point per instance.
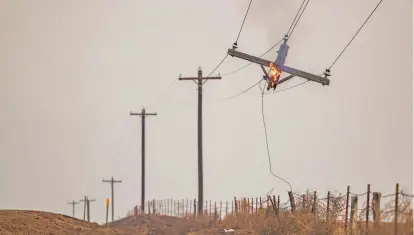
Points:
(73, 203)
(200, 80)
(112, 181)
(143, 115)
(84, 200)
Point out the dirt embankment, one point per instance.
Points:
(20, 222)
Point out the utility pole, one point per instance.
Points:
(143, 115)
(200, 80)
(86, 207)
(73, 203)
(112, 181)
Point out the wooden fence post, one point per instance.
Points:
(346, 207)
(252, 207)
(227, 207)
(376, 206)
(260, 202)
(354, 216)
(397, 189)
(278, 205)
(235, 206)
(368, 209)
(292, 201)
(327, 206)
(303, 203)
(220, 209)
(314, 203)
(195, 208)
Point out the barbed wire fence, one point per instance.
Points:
(391, 213)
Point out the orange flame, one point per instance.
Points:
(274, 74)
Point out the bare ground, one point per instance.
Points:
(23, 222)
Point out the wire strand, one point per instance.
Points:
(300, 16)
(244, 91)
(245, 16)
(267, 146)
(356, 34)
(294, 19)
(221, 62)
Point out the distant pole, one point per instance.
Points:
(89, 208)
(200, 80)
(107, 211)
(112, 181)
(84, 207)
(73, 203)
(143, 115)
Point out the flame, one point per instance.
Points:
(274, 73)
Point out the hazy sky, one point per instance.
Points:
(72, 70)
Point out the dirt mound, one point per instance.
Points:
(16, 222)
(19, 222)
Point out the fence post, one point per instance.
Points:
(314, 203)
(278, 205)
(346, 207)
(220, 209)
(153, 206)
(209, 212)
(235, 206)
(327, 206)
(227, 207)
(354, 217)
(292, 201)
(273, 204)
(195, 208)
(252, 207)
(376, 206)
(397, 189)
(215, 210)
(260, 202)
(367, 213)
(303, 203)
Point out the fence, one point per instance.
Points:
(340, 211)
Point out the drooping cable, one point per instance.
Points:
(267, 145)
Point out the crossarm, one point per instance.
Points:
(248, 57)
(299, 73)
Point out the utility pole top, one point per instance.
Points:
(143, 113)
(199, 77)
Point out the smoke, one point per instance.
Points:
(274, 17)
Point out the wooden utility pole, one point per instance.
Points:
(84, 200)
(143, 115)
(200, 80)
(73, 203)
(89, 208)
(112, 181)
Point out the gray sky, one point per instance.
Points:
(71, 71)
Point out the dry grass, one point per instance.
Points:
(304, 222)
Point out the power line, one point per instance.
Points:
(267, 146)
(356, 34)
(248, 8)
(294, 19)
(246, 90)
(235, 43)
(304, 8)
